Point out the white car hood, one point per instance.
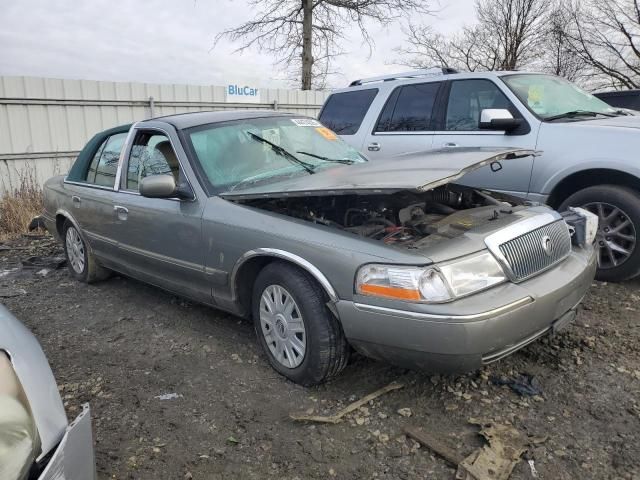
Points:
(36, 378)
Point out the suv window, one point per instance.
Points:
(409, 108)
(343, 113)
(468, 98)
(151, 154)
(103, 167)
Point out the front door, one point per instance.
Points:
(405, 124)
(160, 239)
(461, 128)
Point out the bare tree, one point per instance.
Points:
(306, 34)
(559, 57)
(506, 36)
(605, 34)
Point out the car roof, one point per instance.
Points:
(393, 81)
(188, 120)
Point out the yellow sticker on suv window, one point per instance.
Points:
(326, 133)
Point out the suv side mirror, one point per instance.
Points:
(158, 186)
(498, 119)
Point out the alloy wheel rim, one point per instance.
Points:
(616, 236)
(75, 250)
(282, 326)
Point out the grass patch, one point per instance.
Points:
(19, 205)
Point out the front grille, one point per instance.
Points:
(526, 254)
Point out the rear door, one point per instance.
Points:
(92, 198)
(160, 239)
(405, 123)
(460, 127)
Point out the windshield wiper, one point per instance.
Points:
(286, 154)
(578, 113)
(346, 161)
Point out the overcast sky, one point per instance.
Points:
(169, 41)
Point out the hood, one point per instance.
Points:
(417, 172)
(626, 121)
(39, 385)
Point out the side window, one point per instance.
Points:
(468, 98)
(343, 113)
(103, 167)
(151, 154)
(409, 109)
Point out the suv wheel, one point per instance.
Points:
(618, 210)
(300, 336)
(81, 262)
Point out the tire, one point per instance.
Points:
(326, 351)
(80, 261)
(617, 240)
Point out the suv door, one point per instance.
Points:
(92, 198)
(160, 239)
(460, 127)
(405, 123)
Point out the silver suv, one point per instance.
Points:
(588, 149)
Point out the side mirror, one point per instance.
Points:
(498, 119)
(158, 186)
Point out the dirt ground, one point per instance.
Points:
(120, 345)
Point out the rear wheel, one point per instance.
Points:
(300, 336)
(81, 262)
(618, 211)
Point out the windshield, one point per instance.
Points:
(547, 96)
(240, 154)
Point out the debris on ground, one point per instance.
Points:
(12, 292)
(168, 396)
(337, 418)
(532, 467)
(497, 459)
(524, 385)
(434, 444)
(405, 412)
(50, 263)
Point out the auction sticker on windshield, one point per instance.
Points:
(306, 122)
(326, 133)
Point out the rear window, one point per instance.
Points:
(409, 109)
(343, 113)
(102, 170)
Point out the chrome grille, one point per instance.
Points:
(526, 255)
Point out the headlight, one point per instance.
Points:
(434, 284)
(18, 435)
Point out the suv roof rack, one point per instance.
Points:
(426, 72)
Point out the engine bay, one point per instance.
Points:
(406, 219)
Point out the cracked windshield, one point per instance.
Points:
(246, 153)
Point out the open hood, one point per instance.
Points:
(418, 172)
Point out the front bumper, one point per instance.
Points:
(465, 334)
(73, 458)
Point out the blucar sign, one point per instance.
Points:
(242, 94)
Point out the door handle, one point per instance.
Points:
(450, 145)
(374, 147)
(121, 212)
(76, 201)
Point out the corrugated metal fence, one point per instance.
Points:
(44, 122)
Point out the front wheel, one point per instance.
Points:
(300, 336)
(618, 211)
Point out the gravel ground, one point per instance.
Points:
(120, 345)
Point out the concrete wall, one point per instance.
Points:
(44, 122)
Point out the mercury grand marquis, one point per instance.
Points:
(273, 217)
